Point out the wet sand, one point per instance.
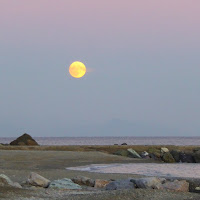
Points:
(17, 165)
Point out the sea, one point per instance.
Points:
(182, 141)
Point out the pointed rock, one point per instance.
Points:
(37, 180)
(133, 153)
(23, 140)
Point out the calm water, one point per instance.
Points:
(185, 141)
(187, 170)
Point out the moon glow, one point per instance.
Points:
(77, 69)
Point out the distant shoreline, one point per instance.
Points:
(131, 140)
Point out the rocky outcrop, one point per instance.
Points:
(82, 180)
(37, 180)
(5, 181)
(23, 140)
(65, 183)
(120, 184)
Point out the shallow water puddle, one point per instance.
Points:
(191, 170)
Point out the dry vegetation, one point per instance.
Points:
(106, 148)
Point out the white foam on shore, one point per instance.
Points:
(189, 170)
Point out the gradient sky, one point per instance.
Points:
(143, 60)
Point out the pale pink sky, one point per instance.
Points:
(100, 21)
(143, 58)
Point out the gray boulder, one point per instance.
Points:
(37, 180)
(82, 180)
(65, 183)
(120, 185)
(133, 153)
(5, 181)
(149, 182)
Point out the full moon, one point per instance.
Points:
(77, 69)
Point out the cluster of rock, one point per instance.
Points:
(149, 183)
(163, 154)
(36, 181)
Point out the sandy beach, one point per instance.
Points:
(17, 164)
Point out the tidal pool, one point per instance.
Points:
(189, 170)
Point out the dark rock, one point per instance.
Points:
(154, 154)
(149, 182)
(115, 144)
(197, 156)
(121, 153)
(196, 149)
(168, 158)
(194, 183)
(123, 144)
(176, 155)
(120, 184)
(187, 157)
(25, 139)
(82, 180)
